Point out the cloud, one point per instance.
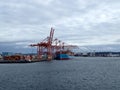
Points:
(100, 48)
(81, 22)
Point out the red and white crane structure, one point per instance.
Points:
(52, 47)
(45, 44)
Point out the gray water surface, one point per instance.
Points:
(80, 73)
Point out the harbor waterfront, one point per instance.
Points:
(78, 73)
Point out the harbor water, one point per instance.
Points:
(79, 73)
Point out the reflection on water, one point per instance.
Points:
(80, 73)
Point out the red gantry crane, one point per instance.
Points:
(46, 44)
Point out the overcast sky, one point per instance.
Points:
(91, 24)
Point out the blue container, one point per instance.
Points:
(7, 53)
(62, 57)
